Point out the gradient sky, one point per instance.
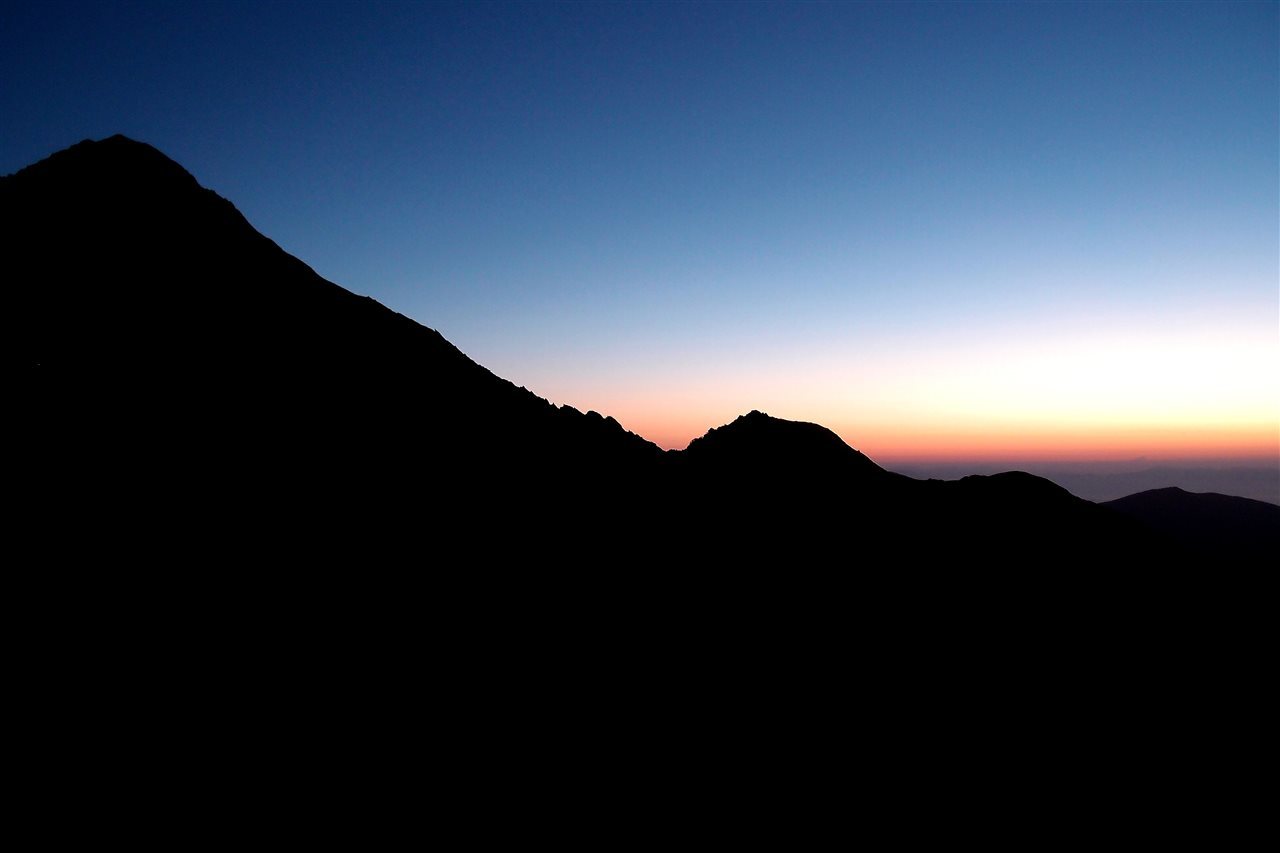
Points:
(944, 230)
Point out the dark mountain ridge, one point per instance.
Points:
(173, 366)
(782, 448)
(243, 489)
(143, 295)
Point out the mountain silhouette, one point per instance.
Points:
(772, 447)
(1207, 523)
(161, 342)
(177, 378)
(240, 487)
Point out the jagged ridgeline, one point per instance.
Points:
(175, 369)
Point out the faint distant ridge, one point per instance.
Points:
(181, 380)
(1109, 480)
(1207, 522)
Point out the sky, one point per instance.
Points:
(944, 230)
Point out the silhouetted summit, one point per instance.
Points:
(181, 380)
(765, 445)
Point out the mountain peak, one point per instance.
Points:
(767, 445)
(115, 162)
(116, 140)
(152, 303)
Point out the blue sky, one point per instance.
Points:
(678, 212)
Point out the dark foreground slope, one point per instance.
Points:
(177, 378)
(259, 516)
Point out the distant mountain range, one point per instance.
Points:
(1108, 480)
(180, 382)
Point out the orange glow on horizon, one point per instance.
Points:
(1074, 395)
(997, 441)
(1257, 442)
